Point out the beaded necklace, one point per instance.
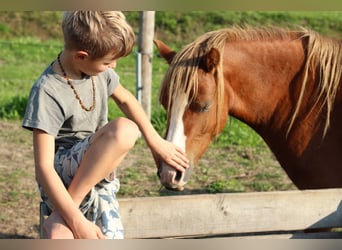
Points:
(74, 90)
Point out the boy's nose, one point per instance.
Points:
(112, 65)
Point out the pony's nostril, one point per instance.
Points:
(178, 176)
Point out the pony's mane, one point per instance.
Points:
(322, 54)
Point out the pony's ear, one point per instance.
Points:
(210, 60)
(166, 52)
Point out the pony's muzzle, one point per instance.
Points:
(172, 179)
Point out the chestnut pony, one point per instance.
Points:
(284, 84)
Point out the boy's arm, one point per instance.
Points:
(51, 183)
(170, 153)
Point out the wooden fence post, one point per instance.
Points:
(145, 48)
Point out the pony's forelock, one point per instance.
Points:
(182, 75)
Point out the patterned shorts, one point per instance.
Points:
(100, 205)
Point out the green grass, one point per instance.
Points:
(22, 61)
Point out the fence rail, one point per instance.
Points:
(283, 214)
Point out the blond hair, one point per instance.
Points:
(98, 33)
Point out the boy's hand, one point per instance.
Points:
(56, 228)
(172, 155)
(85, 229)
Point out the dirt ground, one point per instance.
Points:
(19, 196)
(19, 199)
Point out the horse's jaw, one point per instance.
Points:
(172, 179)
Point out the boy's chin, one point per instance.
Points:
(90, 73)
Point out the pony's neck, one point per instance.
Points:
(260, 78)
(260, 74)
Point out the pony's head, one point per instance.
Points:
(303, 77)
(192, 94)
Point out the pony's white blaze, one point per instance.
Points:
(168, 174)
(176, 129)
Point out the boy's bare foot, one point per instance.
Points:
(56, 228)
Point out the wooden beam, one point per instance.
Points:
(234, 213)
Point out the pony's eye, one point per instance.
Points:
(204, 108)
(199, 107)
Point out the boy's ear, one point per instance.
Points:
(80, 54)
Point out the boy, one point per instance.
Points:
(76, 149)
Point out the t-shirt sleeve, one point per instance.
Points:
(113, 81)
(43, 112)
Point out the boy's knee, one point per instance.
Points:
(125, 131)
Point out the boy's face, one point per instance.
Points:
(93, 67)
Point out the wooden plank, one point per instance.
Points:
(218, 214)
(281, 235)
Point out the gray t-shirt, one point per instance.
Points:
(53, 107)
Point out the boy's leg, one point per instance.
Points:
(66, 164)
(108, 147)
(56, 228)
(103, 210)
(115, 140)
